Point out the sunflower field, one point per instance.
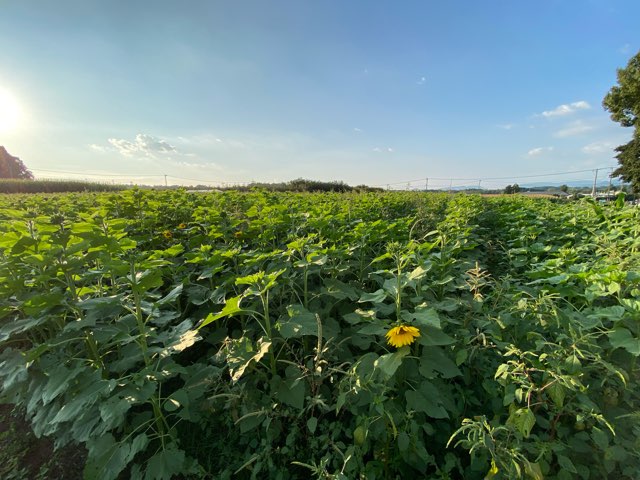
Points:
(329, 336)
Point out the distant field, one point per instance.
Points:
(55, 186)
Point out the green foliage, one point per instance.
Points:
(13, 167)
(242, 335)
(623, 101)
(12, 185)
(509, 189)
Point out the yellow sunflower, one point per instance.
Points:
(167, 234)
(402, 335)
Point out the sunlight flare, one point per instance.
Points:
(10, 111)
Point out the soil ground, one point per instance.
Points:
(24, 456)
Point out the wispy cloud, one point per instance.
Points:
(574, 128)
(98, 148)
(422, 81)
(534, 152)
(143, 145)
(598, 147)
(566, 109)
(506, 126)
(383, 149)
(357, 130)
(626, 48)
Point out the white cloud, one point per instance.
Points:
(422, 81)
(377, 149)
(572, 129)
(383, 149)
(506, 126)
(566, 109)
(357, 130)
(144, 145)
(534, 152)
(199, 165)
(98, 148)
(598, 147)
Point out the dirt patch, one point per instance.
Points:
(24, 456)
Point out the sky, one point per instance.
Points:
(370, 92)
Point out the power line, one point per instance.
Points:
(511, 177)
(434, 182)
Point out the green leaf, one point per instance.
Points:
(425, 401)
(312, 424)
(374, 328)
(566, 463)
(622, 338)
(461, 356)
(171, 296)
(533, 471)
(340, 290)
(417, 273)
(290, 391)
(250, 421)
(177, 399)
(106, 459)
(165, 464)
(149, 279)
(60, 379)
(89, 395)
(557, 394)
(426, 317)
(403, 442)
(300, 322)
(241, 353)
(38, 303)
(389, 363)
(523, 419)
(184, 341)
(232, 307)
(376, 297)
(431, 336)
(435, 360)
(572, 364)
(113, 411)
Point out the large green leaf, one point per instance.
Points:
(388, 364)
(232, 307)
(622, 338)
(300, 322)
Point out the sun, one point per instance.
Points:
(10, 112)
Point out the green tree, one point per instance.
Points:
(564, 188)
(12, 167)
(623, 102)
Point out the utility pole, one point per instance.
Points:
(450, 185)
(479, 182)
(595, 180)
(165, 180)
(426, 184)
(609, 187)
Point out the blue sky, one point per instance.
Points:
(371, 92)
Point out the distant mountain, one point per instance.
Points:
(576, 184)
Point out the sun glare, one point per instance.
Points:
(10, 112)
